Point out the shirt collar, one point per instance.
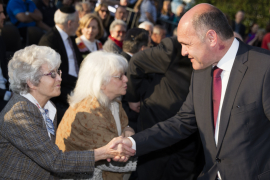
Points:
(87, 41)
(62, 33)
(48, 105)
(129, 54)
(227, 60)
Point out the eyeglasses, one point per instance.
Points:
(54, 73)
(119, 77)
(104, 11)
(123, 32)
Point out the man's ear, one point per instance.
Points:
(31, 85)
(211, 37)
(69, 23)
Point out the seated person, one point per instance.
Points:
(89, 31)
(115, 41)
(148, 26)
(95, 115)
(47, 9)
(28, 123)
(121, 13)
(23, 14)
(159, 33)
(83, 8)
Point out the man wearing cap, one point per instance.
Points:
(62, 39)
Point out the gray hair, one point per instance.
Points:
(157, 29)
(26, 65)
(96, 70)
(144, 24)
(63, 18)
(79, 6)
(117, 22)
(213, 19)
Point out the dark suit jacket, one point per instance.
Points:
(27, 152)
(243, 147)
(242, 29)
(161, 99)
(54, 40)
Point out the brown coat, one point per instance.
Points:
(89, 126)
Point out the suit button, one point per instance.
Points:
(238, 106)
(218, 160)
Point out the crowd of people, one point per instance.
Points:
(102, 85)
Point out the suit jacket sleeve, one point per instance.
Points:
(168, 132)
(154, 60)
(24, 128)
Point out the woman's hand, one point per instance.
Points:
(127, 132)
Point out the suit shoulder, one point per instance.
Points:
(49, 37)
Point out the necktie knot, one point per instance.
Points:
(217, 72)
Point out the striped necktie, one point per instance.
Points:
(49, 123)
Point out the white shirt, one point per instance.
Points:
(70, 55)
(225, 64)
(114, 107)
(92, 46)
(48, 105)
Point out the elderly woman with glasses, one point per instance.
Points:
(28, 123)
(95, 115)
(115, 40)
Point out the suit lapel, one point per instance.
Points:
(237, 73)
(62, 49)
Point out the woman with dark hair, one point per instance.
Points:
(252, 32)
(89, 31)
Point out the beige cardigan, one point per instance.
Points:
(89, 126)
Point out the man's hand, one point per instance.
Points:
(115, 148)
(127, 144)
(135, 106)
(127, 132)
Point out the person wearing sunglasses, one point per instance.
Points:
(95, 115)
(115, 41)
(28, 123)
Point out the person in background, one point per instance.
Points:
(124, 3)
(237, 25)
(159, 33)
(115, 41)
(89, 31)
(47, 9)
(28, 123)
(252, 32)
(148, 11)
(103, 13)
(83, 8)
(61, 38)
(95, 114)
(5, 94)
(148, 26)
(23, 14)
(121, 13)
(266, 38)
(257, 41)
(166, 13)
(180, 11)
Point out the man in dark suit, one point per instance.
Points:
(228, 101)
(62, 39)
(163, 98)
(237, 25)
(135, 40)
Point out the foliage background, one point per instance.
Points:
(256, 11)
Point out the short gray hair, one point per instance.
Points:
(63, 18)
(96, 70)
(144, 24)
(117, 22)
(157, 29)
(79, 6)
(26, 65)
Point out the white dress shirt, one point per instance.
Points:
(70, 55)
(225, 64)
(48, 105)
(114, 107)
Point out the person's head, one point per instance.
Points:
(205, 35)
(124, 2)
(136, 40)
(261, 33)
(239, 16)
(67, 19)
(91, 27)
(118, 29)
(166, 8)
(180, 10)
(121, 13)
(254, 28)
(148, 26)
(83, 8)
(101, 76)
(34, 70)
(102, 11)
(2, 15)
(159, 33)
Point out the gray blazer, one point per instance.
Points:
(243, 146)
(110, 46)
(27, 152)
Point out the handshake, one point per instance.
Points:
(118, 149)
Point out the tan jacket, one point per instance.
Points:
(89, 126)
